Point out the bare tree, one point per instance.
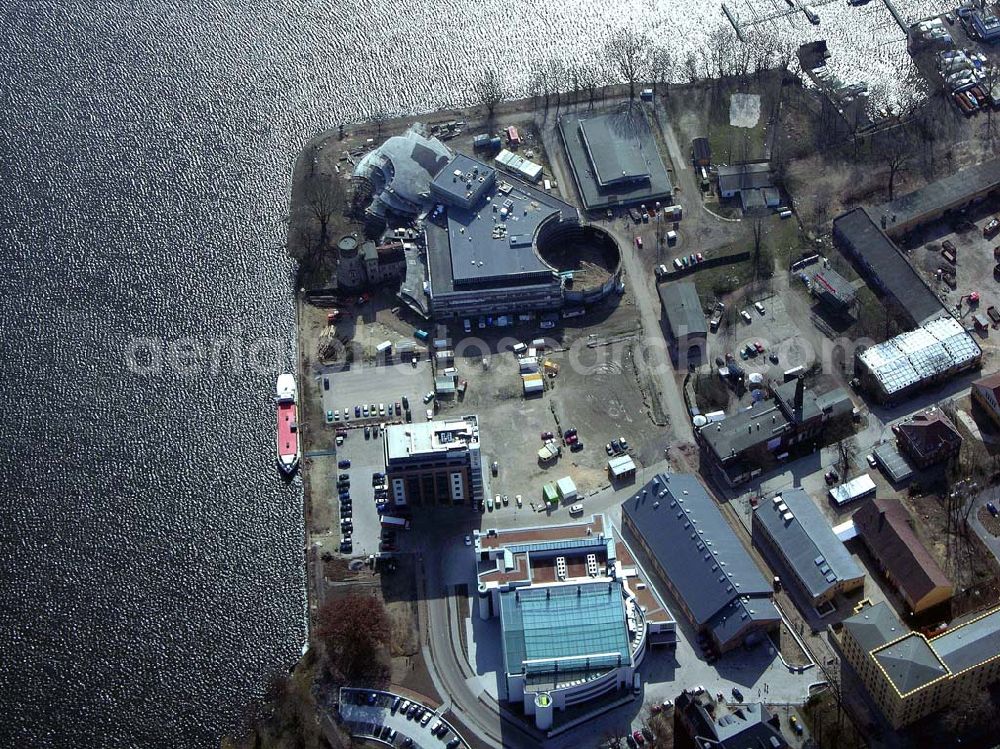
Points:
(661, 68)
(627, 54)
(379, 116)
(558, 77)
(489, 90)
(895, 151)
(847, 450)
(758, 241)
(590, 79)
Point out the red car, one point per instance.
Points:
(572, 439)
(638, 737)
(546, 436)
(638, 242)
(760, 348)
(700, 257)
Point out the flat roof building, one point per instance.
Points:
(910, 676)
(614, 158)
(791, 529)
(833, 290)
(884, 526)
(700, 559)
(575, 613)
(896, 369)
(482, 250)
(434, 462)
(685, 319)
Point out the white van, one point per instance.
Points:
(636, 683)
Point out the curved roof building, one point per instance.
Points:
(400, 172)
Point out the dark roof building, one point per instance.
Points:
(702, 562)
(482, 253)
(741, 444)
(684, 316)
(705, 724)
(732, 179)
(614, 159)
(884, 526)
(929, 437)
(885, 268)
(833, 289)
(791, 529)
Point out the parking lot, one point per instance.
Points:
(973, 270)
(394, 720)
(361, 440)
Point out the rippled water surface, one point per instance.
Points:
(152, 561)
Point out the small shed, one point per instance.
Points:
(567, 489)
(701, 152)
(549, 494)
(533, 384)
(621, 468)
(445, 385)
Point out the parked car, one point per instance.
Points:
(517, 497)
(638, 242)
(489, 504)
(638, 737)
(794, 723)
(546, 436)
(623, 444)
(569, 433)
(759, 307)
(495, 467)
(993, 509)
(576, 446)
(871, 460)
(344, 463)
(746, 316)
(572, 439)
(576, 509)
(759, 347)
(357, 411)
(831, 476)
(428, 397)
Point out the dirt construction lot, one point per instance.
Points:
(595, 392)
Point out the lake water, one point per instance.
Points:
(152, 559)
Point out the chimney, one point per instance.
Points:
(800, 391)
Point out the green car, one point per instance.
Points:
(329, 417)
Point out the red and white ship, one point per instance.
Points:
(289, 447)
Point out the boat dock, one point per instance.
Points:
(734, 22)
(898, 16)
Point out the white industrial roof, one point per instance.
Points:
(920, 354)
